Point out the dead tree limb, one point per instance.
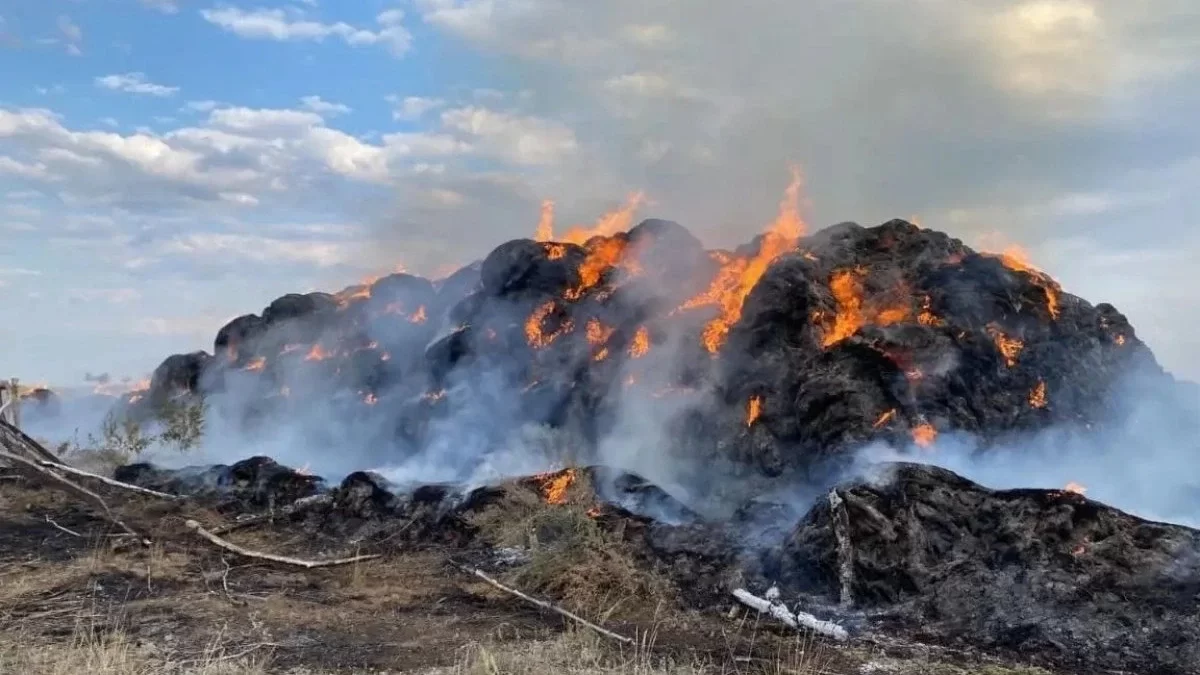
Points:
(247, 553)
(845, 553)
(289, 510)
(795, 620)
(35, 469)
(59, 466)
(19, 442)
(545, 605)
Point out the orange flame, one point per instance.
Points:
(597, 333)
(617, 220)
(317, 353)
(545, 226)
(1075, 488)
(554, 485)
(924, 434)
(641, 343)
(1010, 348)
(1017, 259)
(884, 419)
(602, 254)
(554, 251)
(370, 398)
(418, 316)
(1119, 339)
(753, 409)
(256, 364)
(738, 276)
(535, 336)
(852, 311)
(927, 317)
(1037, 397)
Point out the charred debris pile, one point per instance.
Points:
(759, 369)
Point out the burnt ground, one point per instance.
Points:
(181, 600)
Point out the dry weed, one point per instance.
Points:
(571, 557)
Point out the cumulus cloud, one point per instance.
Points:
(134, 83)
(275, 24)
(323, 107)
(411, 108)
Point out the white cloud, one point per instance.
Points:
(653, 35)
(134, 83)
(412, 108)
(200, 106)
(521, 140)
(12, 167)
(274, 24)
(114, 296)
(323, 107)
(260, 249)
(164, 6)
(71, 34)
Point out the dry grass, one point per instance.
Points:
(92, 653)
(570, 556)
(582, 653)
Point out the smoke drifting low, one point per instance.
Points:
(763, 372)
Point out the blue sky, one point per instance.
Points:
(167, 165)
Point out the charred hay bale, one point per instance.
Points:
(178, 373)
(523, 266)
(1048, 573)
(298, 306)
(261, 482)
(244, 330)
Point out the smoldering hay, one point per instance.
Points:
(747, 407)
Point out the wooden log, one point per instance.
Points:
(796, 620)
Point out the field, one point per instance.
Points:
(74, 598)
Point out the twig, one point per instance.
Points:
(845, 554)
(796, 620)
(73, 533)
(36, 469)
(544, 605)
(293, 508)
(59, 466)
(307, 564)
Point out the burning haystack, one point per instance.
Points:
(721, 397)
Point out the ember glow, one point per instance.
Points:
(753, 410)
(1075, 488)
(617, 220)
(884, 419)
(924, 434)
(534, 333)
(1037, 397)
(854, 311)
(316, 353)
(641, 343)
(1010, 348)
(256, 364)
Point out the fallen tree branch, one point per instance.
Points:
(56, 526)
(845, 554)
(796, 620)
(112, 482)
(35, 468)
(18, 441)
(544, 605)
(291, 509)
(247, 553)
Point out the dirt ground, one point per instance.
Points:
(76, 599)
